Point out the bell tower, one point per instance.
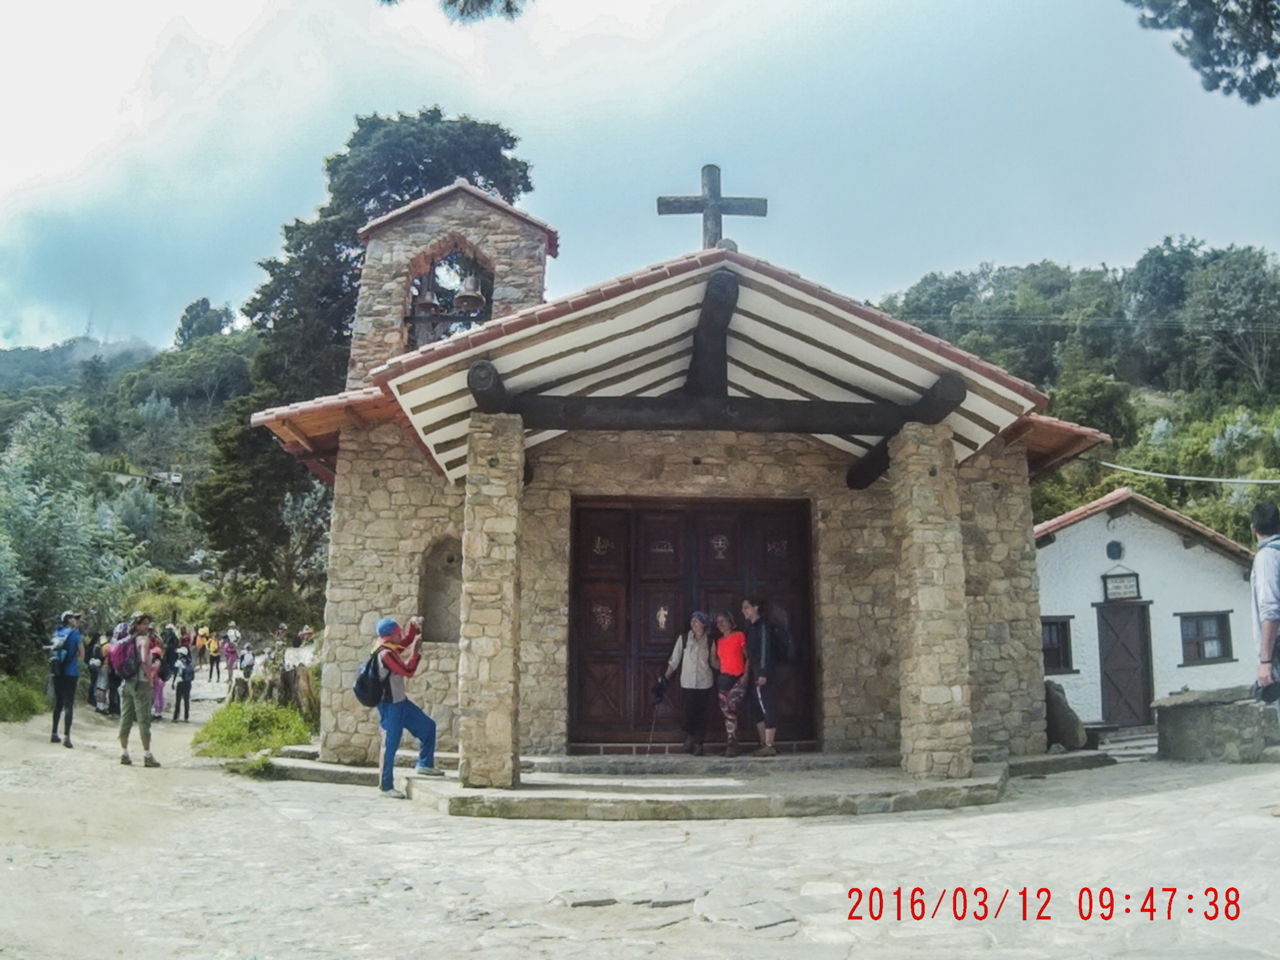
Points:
(437, 266)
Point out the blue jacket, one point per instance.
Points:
(70, 650)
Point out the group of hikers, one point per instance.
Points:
(130, 668)
(714, 655)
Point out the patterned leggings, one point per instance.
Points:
(731, 691)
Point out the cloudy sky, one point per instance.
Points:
(155, 147)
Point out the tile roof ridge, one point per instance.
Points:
(466, 186)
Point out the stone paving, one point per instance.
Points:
(102, 860)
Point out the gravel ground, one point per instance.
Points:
(102, 860)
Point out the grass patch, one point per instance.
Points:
(22, 697)
(242, 728)
(259, 768)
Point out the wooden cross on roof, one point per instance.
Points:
(712, 206)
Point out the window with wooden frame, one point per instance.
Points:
(1055, 644)
(1206, 637)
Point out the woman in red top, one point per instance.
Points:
(731, 686)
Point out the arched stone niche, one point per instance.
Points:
(440, 591)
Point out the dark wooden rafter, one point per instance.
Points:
(875, 463)
(709, 368)
(748, 414)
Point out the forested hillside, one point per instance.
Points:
(1175, 357)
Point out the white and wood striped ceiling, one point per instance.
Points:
(788, 339)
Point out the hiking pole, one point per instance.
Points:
(659, 691)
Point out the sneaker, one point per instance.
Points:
(766, 751)
(67, 743)
(393, 794)
(149, 761)
(55, 739)
(697, 749)
(125, 761)
(428, 772)
(733, 750)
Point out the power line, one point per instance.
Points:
(1175, 476)
(1256, 326)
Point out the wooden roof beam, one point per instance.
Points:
(709, 368)
(749, 414)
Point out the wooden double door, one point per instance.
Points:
(639, 570)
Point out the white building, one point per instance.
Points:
(1138, 601)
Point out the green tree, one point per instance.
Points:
(469, 11)
(200, 320)
(1233, 311)
(1233, 44)
(303, 313)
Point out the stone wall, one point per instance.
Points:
(934, 630)
(390, 507)
(488, 669)
(1002, 596)
(514, 249)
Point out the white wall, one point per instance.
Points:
(1175, 579)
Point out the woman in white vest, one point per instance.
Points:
(695, 657)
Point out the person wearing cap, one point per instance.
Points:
(398, 658)
(184, 672)
(67, 675)
(135, 689)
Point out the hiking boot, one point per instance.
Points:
(733, 750)
(428, 772)
(67, 743)
(149, 761)
(124, 759)
(393, 794)
(697, 749)
(765, 751)
(55, 739)
(689, 745)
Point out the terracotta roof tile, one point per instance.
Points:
(1127, 495)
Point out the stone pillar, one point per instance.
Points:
(488, 692)
(937, 734)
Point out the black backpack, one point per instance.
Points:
(57, 654)
(370, 689)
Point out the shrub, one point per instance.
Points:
(242, 728)
(22, 697)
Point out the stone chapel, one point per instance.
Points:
(556, 486)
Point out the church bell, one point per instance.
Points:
(469, 299)
(426, 303)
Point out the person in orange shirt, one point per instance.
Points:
(731, 685)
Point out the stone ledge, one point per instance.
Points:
(546, 796)
(1058, 763)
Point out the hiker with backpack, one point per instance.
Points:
(64, 670)
(1264, 583)
(130, 660)
(693, 656)
(767, 645)
(232, 655)
(395, 658)
(184, 673)
(247, 660)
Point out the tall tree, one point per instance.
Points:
(200, 320)
(469, 11)
(304, 309)
(1233, 309)
(1233, 44)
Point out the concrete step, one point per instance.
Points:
(832, 792)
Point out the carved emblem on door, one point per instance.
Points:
(662, 546)
(777, 548)
(720, 546)
(662, 617)
(603, 616)
(602, 546)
